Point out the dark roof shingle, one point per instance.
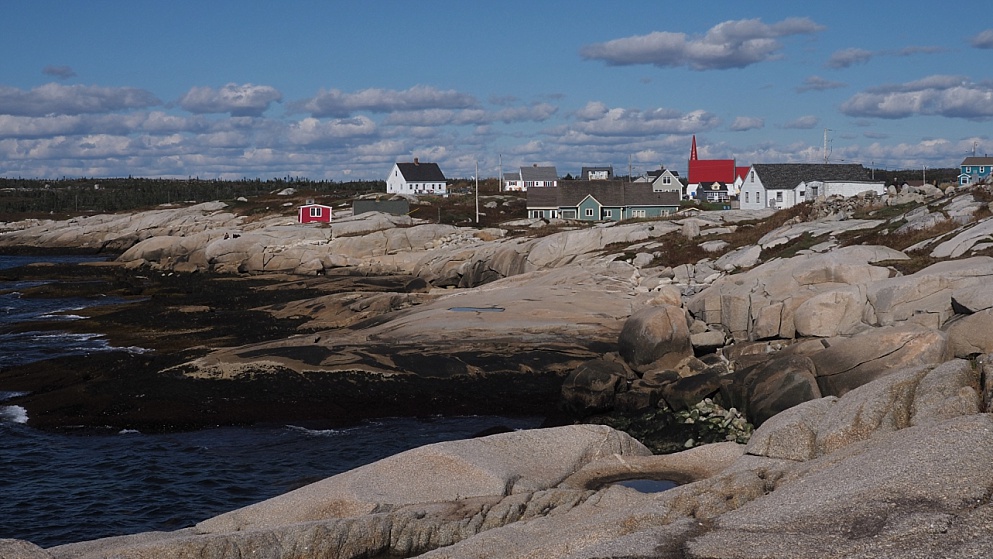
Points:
(569, 194)
(421, 172)
(789, 175)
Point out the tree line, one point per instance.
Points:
(106, 195)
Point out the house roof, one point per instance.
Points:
(711, 170)
(536, 173)
(789, 175)
(569, 194)
(586, 170)
(977, 161)
(421, 172)
(740, 172)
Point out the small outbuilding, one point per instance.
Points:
(311, 213)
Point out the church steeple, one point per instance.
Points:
(693, 149)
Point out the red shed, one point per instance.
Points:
(309, 213)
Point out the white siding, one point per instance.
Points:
(752, 192)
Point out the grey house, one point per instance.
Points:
(600, 201)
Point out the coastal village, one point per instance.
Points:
(795, 360)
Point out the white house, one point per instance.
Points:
(417, 178)
(784, 185)
(531, 177)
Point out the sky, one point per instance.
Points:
(341, 90)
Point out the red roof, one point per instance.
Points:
(740, 172)
(711, 170)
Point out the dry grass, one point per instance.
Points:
(677, 250)
(899, 241)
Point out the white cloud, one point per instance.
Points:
(155, 122)
(238, 100)
(538, 112)
(983, 40)
(595, 119)
(849, 57)
(803, 123)
(743, 123)
(336, 103)
(731, 44)
(311, 131)
(949, 96)
(817, 83)
(53, 98)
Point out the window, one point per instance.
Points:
(751, 176)
(747, 196)
(667, 180)
(637, 213)
(801, 193)
(608, 213)
(589, 212)
(315, 211)
(779, 196)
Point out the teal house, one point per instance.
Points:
(600, 200)
(975, 170)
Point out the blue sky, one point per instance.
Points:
(342, 90)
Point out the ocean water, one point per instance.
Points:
(64, 487)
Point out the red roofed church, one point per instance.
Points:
(708, 171)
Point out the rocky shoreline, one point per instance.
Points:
(182, 317)
(850, 334)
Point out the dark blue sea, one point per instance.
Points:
(64, 487)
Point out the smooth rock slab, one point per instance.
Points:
(841, 502)
(497, 465)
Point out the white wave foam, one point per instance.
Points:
(129, 432)
(13, 414)
(8, 394)
(314, 432)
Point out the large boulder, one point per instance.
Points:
(831, 313)
(656, 337)
(765, 389)
(971, 335)
(907, 397)
(848, 363)
(925, 297)
(762, 302)
(593, 386)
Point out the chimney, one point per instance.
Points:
(416, 162)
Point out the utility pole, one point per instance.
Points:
(500, 171)
(826, 146)
(477, 192)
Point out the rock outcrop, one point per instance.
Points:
(894, 468)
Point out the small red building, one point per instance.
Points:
(310, 213)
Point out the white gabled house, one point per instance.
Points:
(530, 177)
(663, 180)
(417, 178)
(784, 185)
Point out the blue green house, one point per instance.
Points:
(601, 201)
(975, 170)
